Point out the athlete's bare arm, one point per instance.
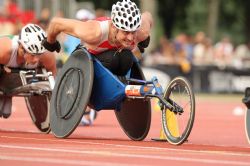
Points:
(48, 60)
(146, 25)
(89, 31)
(6, 49)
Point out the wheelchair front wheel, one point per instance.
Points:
(177, 123)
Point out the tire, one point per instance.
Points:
(38, 107)
(178, 125)
(135, 114)
(247, 125)
(246, 101)
(71, 93)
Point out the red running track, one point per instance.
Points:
(218, 138)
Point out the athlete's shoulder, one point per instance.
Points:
(6, 47)
(6, 41)
(8, 36)
(103, 19)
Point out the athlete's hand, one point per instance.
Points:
(143, 44)
(51, 46)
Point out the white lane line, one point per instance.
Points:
(62, 161)
(120, 154)
(225, 153)
(22, 131)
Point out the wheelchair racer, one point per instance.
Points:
(111, 40)
(24, 51)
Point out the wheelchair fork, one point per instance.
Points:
(153, 90)
(50, 78)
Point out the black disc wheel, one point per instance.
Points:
(71, 94)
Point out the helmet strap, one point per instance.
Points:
(114, 34)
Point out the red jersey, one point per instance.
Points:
(104, 44)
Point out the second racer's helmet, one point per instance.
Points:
(31, 38)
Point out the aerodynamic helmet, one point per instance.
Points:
(31, 38)
(126, 16)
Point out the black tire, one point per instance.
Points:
(246, 101)
(71, 93)
(135, 114)
(247, 125)
(38, 107)
(178, 125)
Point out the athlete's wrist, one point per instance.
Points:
(51, 40)
(55, 46)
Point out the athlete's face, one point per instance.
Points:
(126, 39)
(30, 58)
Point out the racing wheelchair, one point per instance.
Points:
(84, 81)
(246, 101)
(35, 85)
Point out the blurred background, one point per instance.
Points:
(206, 41)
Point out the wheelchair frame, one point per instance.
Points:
(84, 81)
(35, 85)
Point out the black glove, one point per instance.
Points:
(51, 46)
(143, 44)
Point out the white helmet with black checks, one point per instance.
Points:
(126, 16)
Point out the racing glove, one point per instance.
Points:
(143, 44)
(51, 46)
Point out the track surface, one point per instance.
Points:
(218, 138)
